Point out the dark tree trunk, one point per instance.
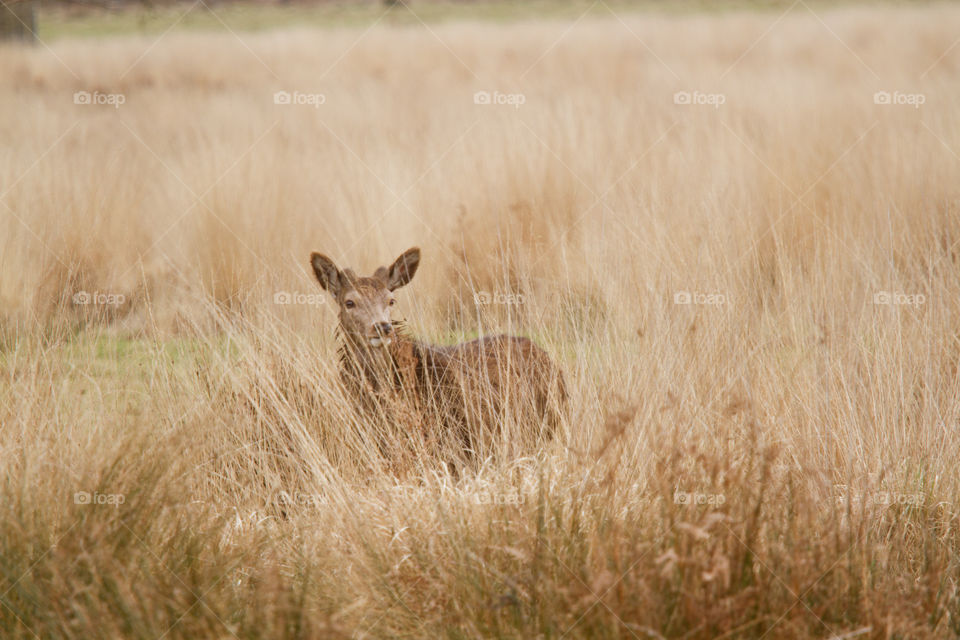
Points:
(18, 20)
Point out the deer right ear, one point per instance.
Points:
(401, 271)
(327, 273)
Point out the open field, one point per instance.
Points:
(59, 20)
(738, 233)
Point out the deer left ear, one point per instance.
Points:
(401, 271)
(328, 275)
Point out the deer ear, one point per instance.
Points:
(329, 277)
(402, 270)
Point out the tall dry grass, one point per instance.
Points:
(179, 462)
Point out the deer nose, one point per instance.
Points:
(383, 328)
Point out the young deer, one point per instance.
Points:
(468, 391)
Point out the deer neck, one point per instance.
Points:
(376, 364)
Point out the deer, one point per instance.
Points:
(465, 394)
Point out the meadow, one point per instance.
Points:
(737, 231)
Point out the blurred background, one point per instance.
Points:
(30, 19)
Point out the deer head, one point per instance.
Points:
(365, 302)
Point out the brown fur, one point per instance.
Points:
(465, 394)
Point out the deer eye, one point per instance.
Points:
(349, 304)
(392, 302)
